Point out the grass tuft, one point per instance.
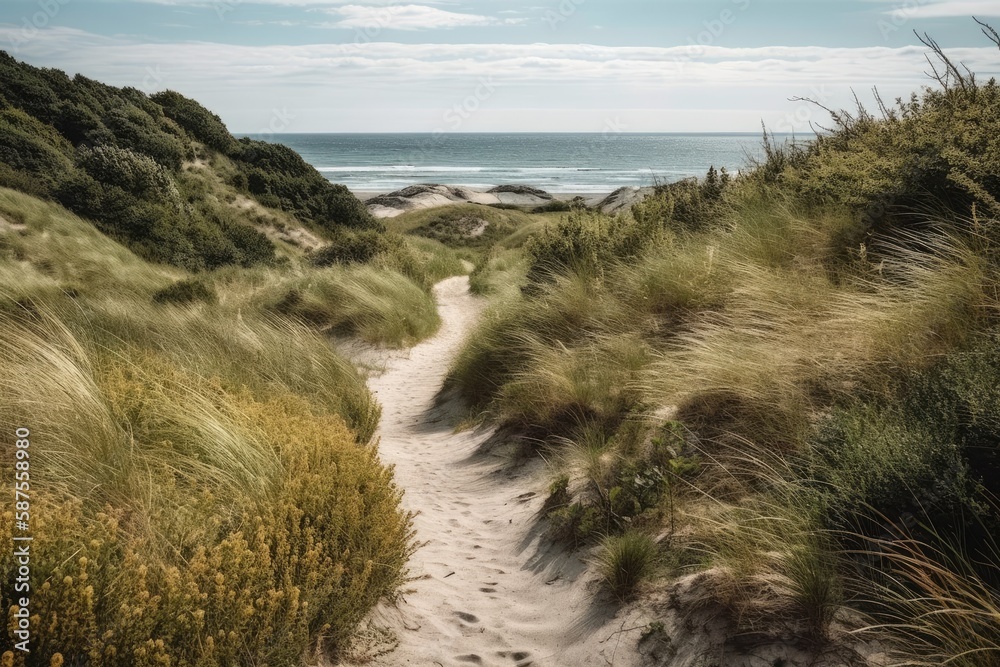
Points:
(625, 561)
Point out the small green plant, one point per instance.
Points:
(654, 630)
(559, 495)
(575, 523)
(185, 292)
(626, 560)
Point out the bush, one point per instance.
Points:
(938, 150)
(138, 175)
(351, 247)
(377, 305)
(554, 206)
(133, 128)
(277, 175)
(211, 568)
(685, 206)
(185, 292)
(129, 147)
(198, 121)
(587, 243)
(26, 145)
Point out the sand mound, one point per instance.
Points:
(623, 198)
(431, 196)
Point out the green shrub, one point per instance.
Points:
(587, 243)
(576, 523)
(277, 175)
(130, 149)
(27, 145)
(198, 121)
(554, 206)
(351, 247)
(685, 206)
(937, 150)
(377, 305)
(263, 531)
(932, 450)
(559, 496)
(137, 174)
(135, 129)
(185, 292)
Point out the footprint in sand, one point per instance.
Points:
(468, 618)
(462, 504)
(516, 656)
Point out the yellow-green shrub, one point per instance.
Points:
(225, 528)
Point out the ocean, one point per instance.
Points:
(558, 163)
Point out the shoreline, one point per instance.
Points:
(365, 195)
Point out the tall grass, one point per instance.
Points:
(935, 606)
(750, 333)
(204, 489)
(373, 304)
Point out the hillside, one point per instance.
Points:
(161, 174)
(204, 489)
(769, 403)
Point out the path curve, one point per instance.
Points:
(489, 588)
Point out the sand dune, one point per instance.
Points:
(489, 588)
(417, 197)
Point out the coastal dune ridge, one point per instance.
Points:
(431, 195)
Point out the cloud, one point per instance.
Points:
(409, 17)
(407, 87)
(927, 9)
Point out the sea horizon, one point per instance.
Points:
(584, 163)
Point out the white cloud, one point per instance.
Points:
(927, 9)
(407, 87)
(409, 17)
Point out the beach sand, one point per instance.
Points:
(365, 195)
(488, 586)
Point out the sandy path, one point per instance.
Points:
(489, 588)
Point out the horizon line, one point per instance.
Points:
(611, 134)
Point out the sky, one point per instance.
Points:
(269, 66)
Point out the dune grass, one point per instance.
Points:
(461, 225)
(764, 369)
(205, 490)
(625, 561)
